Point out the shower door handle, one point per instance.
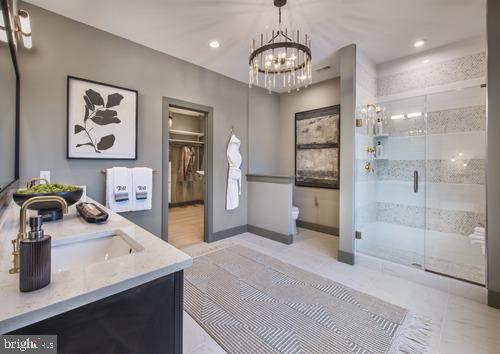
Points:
(415, 181)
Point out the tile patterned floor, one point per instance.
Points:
(460, 325)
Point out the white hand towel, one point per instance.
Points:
(143, 184)
(118, 189)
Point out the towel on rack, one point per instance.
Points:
(142, 178)
(118, 189)
(187, 166)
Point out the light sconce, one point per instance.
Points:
(22, 29)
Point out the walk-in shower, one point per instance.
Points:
(421, 201)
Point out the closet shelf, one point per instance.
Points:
(182, 141)
(185, 132)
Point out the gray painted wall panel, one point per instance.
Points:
(347, 158)
(270, 206)
(65, 47)
(317, 205)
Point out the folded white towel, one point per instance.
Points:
(479, 230)
(118, 189)
(477, 237)
(142, 178)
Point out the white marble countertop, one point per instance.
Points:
(83, 284)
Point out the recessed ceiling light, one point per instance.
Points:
(398, 116)
(214, 44)
(426, 61)
(419, 43)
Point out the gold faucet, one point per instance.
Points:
(16, 244)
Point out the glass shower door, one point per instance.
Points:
(390, 194)
(456, 196)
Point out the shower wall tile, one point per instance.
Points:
(458, 171)
(366, 80)
(400, 170)
(439, 171)
(453, 221)
(470, 145)
(404, 148)
(449, 221)
(450, 196)
(465, 119)
(366, 215)
(447, 72)
(407, 215)
(405, 127)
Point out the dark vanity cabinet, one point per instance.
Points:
(144, 319)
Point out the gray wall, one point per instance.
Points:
(317, 205)
(264, 125)
(493, 169)
(64, 47)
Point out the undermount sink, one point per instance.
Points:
(84, 250)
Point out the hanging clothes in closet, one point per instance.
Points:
(234, 175)
(187, 164)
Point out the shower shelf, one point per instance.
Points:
(381, 158)
(185, 132)
(381, 136)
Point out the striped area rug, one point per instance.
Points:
(252, 303)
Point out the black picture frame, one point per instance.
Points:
(135, 92)
(7, 13)
(310, 114)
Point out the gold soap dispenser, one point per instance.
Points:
(35, 253)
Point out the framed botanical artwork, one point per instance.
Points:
(317, 148)
(102, 121)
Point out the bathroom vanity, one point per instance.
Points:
(115, 288)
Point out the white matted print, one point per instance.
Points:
(102, 121)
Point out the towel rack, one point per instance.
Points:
(104, 171)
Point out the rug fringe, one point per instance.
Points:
(414, 335)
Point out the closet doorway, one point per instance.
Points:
(186, 155)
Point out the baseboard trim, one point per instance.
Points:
(346, 257)
(185, 203)
(220, 235)
(272, 235)
(494, 299)
(330, 230)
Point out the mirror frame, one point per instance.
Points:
(8, 7)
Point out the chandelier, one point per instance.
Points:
(280, 57)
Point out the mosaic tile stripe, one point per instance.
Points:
(455, 70)
(465, 119)
(438, 171)
(365, 79)
(452, 221)
(399, 170)
(449, 221)
(459, 171)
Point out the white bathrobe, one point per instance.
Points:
(234, 174)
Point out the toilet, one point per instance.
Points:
(295, 216)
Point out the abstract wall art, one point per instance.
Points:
(317, 147)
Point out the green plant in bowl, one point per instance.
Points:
(48, 188)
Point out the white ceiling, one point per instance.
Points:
(383, 29)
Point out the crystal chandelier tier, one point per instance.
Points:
(280, 57)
